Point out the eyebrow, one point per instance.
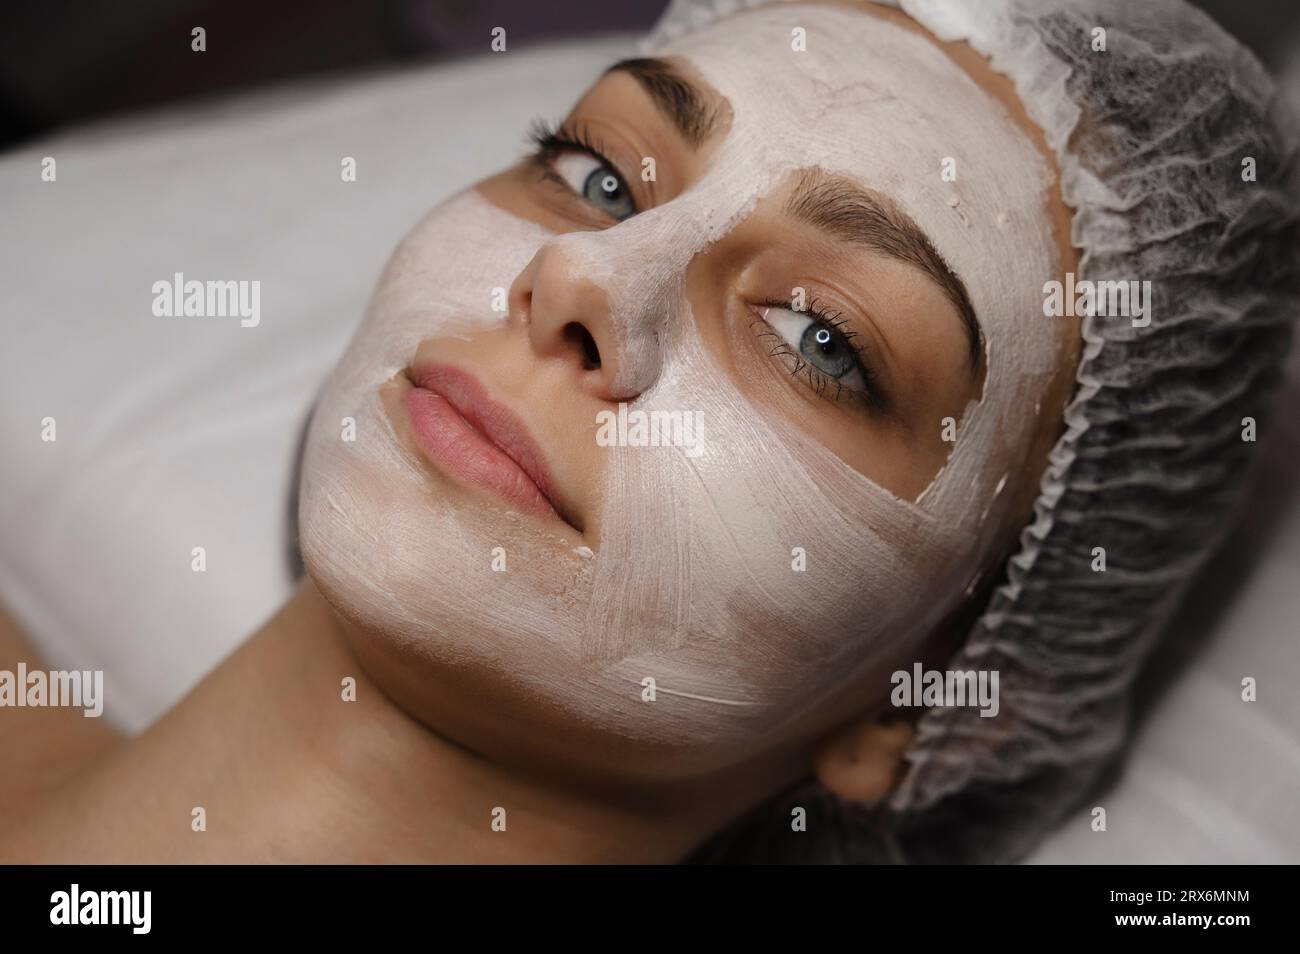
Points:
(685, 104)
(839, 207)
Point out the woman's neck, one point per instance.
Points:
(285, 768)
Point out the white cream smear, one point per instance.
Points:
(692, 581)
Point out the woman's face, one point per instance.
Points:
(803, 248)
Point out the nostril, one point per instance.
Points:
(577, 334)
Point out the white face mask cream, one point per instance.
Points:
(697, 582)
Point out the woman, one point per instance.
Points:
(660, 455)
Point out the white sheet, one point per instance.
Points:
(177, 434)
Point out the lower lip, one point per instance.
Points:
(452, 444)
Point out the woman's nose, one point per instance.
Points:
(569, 316)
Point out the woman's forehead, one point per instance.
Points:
(864, 98)
(926, 91)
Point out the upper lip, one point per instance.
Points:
(496, 422)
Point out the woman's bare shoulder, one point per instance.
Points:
(49, 731)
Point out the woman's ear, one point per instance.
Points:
(860, 761)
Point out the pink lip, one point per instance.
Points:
(477, 440)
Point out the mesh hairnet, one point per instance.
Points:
(1150, 137)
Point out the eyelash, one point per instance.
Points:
(819, 380)
(549, 140)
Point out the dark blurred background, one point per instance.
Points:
(64, 61)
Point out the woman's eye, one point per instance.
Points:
(596, 182)
(825, 349)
